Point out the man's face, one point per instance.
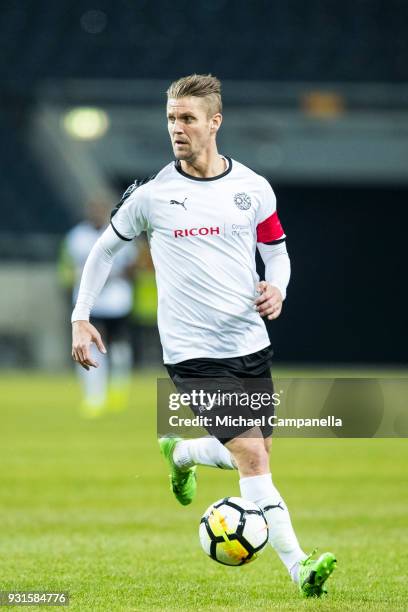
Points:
(190, 126)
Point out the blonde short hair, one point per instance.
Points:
(199, 86)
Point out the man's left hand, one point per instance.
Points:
(269, 303)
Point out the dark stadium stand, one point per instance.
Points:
(294, 41)
(139, 39)
(27, 201)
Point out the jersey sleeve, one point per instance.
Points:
(129, 217)
(268, 227)
(95, 273)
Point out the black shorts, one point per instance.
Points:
(112, 329)
(246, 375)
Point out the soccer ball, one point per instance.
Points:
(233, 531)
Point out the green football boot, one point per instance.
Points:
(183, 482)
(313, 574)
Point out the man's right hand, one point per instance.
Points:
(83, 334)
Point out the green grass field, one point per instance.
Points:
(85, 507)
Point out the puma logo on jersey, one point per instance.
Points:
(179, 203)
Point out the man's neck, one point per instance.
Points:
(206, 166)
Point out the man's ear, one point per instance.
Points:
(216, 122)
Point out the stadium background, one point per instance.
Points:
(315, 97)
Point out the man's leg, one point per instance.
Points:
(120, 375)
(203, 451)
(251, 455)
(252, 458)
(183, 457)
(120, 353)
(94, 386)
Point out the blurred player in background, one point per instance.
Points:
(205, 214)
(106, 387)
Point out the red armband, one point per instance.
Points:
(270, 229)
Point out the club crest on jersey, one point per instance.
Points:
(242, 200)
(177, 203)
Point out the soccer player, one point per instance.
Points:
(106, 387)
(205, 214)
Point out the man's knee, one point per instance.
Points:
(250, 455)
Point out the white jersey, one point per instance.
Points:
(115, 299)
(203, 234)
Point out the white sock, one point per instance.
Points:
(95, 381)
(203, 451)
(121, 363)
(261, 490)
